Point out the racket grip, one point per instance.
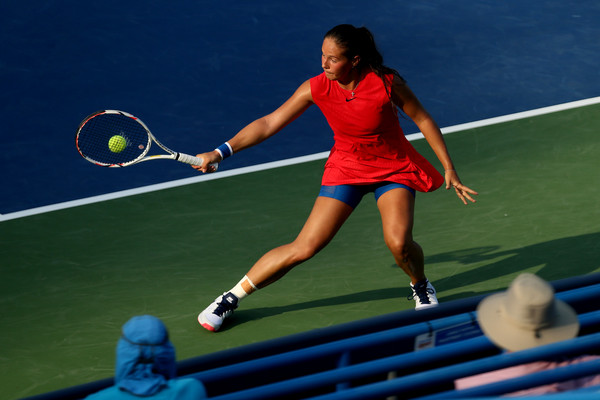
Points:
(186, 158)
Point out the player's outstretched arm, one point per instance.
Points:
(263, 128)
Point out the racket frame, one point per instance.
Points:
(172, 155)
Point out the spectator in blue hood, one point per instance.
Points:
(146, 365)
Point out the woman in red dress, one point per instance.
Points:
(360, 98)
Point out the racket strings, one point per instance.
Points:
(94, 139)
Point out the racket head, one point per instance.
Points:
(96, 130)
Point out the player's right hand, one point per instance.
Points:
(210, 161)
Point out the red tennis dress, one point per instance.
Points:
(369, 145)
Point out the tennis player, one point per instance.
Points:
(360, 98)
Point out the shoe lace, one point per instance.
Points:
(223, 307)
(422, 292)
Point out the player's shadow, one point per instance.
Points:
(552, 260)
(246, 315)
(556, 259)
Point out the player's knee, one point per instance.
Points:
(303, 252)
(398, 245)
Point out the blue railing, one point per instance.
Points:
(415, 383)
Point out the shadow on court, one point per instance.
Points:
(559, 259)
(241, 316)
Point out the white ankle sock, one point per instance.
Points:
(239, 291)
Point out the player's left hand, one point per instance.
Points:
(462, 191)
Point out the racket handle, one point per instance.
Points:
(186, 158)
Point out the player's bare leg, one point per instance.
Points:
(397, 215)
(324, 221)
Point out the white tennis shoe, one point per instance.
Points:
(423, 293)
(213, 316)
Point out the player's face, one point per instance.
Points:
(335, 64)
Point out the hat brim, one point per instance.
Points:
(512, 337)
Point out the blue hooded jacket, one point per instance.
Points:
(146, 365)
(145, 356)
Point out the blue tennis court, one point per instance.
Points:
(180, 68)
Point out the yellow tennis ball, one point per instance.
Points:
(117, 144)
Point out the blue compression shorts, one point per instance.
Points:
(353, 194)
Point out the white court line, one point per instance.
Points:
(282, 163)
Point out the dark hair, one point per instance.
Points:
(360, 42)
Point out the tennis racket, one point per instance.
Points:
(112, 138)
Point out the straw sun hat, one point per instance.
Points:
(526, 315)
